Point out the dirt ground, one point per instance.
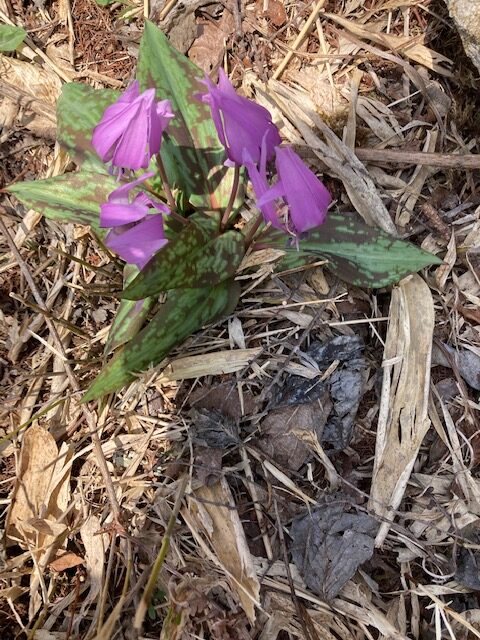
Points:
(327, 485)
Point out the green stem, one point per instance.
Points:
(166, 187)
(168, 192)
(233, 195)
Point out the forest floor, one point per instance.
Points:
(313, 460)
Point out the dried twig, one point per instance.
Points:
(396, 156)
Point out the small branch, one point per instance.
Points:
(393, 156)
(231, 201)
(88, 415)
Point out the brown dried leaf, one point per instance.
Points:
(224, 398)
(32, 491)
(33, 79)
(208, 49)
(470, 313)
(274, 11)
(279, 428)
(36, 89)
(66, 560)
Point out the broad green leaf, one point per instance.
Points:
(79, 110)
(72, 197)
(11, 37)
(192, 153)
(192, 259)
(185, 311)
(130, 316)
(359, 254)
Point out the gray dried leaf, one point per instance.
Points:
(468, 559)
(329, 544)
(211, 428)
(466, 361)
(345, 387)
(212, 432)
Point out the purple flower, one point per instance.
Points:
(130, 131)
(137, 232)
(120, 210)
(137, 244)
(241, 124)
(307, 198)
(258, 178)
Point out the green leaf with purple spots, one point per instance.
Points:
(71, 197)
(195, 257)
(191, 150)
(130, 317)
(79, 110)
(184, 312)
(362, 255)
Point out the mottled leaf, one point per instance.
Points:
(11, 37)
(79, 110)
(191, 151)
(72, 197)
(130, 316)
(185, 311)
(192, 259)
(362, 255)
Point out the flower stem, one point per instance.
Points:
(168, 192)
(166, 187)
(233, 195)
(249, 237)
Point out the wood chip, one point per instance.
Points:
(403, 419)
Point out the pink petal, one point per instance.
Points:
(110, 129)
(224, 84)
(130, 151)
(113, 214)
(131, 93)
(138, 244)
(306, 196)
(160, 117)
(258, 178)
(273, 193)
(121, 193)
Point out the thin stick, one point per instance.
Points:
(301, 36)
(233, 195)
(447, 160)
(89, 416)
(167, 8)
